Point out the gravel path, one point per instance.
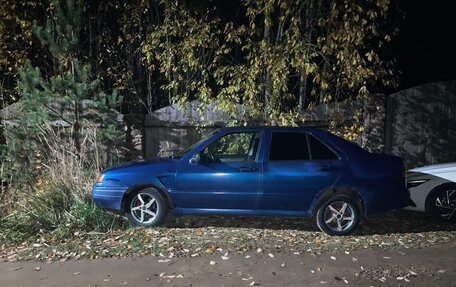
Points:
(401, 267)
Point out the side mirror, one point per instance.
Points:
(195, 159)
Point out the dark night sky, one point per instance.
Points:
(425, 48)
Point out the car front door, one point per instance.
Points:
(225, 175)
(297, 168)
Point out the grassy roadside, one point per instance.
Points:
(56, 214)
(56, 203)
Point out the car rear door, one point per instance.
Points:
(226, 177)
(292, 176)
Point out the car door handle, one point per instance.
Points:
(248, 169)
(327, 167)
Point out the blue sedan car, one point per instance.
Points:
(302, 172)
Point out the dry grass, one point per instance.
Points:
(58, 201)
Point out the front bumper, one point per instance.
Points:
(108, 197)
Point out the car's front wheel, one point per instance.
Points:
(146, 208)
(339, 216)
(441, 203)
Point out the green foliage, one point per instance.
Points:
(68, 98)
(17, 43)
(185, 49)
(289, 55)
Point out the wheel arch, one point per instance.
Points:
(328, 193)
(136, 188)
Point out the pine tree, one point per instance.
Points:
(66, 98)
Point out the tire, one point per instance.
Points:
(445, 197)
(328, 220)
(149, 205)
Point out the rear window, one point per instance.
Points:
(320, 151)
(288, 146)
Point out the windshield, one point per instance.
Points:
(179, 155)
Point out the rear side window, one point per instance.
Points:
(288, 146)
(320, 151)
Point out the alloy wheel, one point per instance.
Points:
(144, 208)
(339, 216)
(445, 204)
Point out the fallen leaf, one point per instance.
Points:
(211, 249)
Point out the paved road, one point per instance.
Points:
(407, 267)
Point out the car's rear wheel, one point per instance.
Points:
(441, 203)
(146, 208)
(338, 215)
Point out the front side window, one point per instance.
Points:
(289, 146)
(233, 147)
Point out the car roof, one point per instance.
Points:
(269, 128)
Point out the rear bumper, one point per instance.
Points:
(389, 200)
(108, 197)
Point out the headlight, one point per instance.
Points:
(416, 182)
(100, 178)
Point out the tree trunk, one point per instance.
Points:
(267, 76)
(302, 90)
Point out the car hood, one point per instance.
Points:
(159, 160)
(446, 170)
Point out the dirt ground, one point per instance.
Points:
(402, 267)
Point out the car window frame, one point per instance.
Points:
(255, 160)
(307, 133)
(338, 157)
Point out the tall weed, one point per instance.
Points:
(58, 203)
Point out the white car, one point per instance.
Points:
(433, 190)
